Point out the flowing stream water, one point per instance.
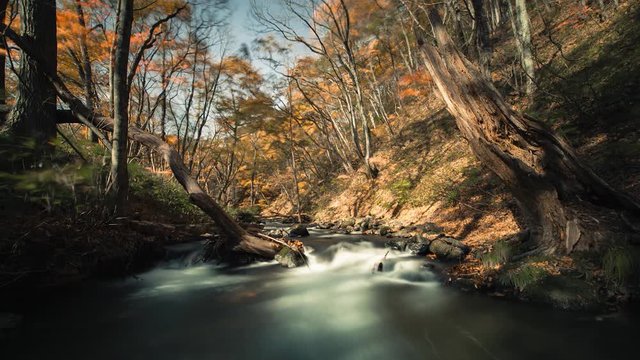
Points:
(336, 308)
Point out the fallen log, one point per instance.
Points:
(236, 239)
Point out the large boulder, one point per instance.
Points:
(448, 248)
(298, 231)
(290, 258)
(419, 245)
(416, 245)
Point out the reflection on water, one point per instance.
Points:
(336, 308)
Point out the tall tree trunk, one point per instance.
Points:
(483, 38)
(455, 7)
(566, 206)
(522, 31)
(163, 93)
(119, 172)
(294, 171)
(3, 88)
(33, 115)
(253, 175)
(87, 72)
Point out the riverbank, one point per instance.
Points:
(57, 227)
(507, 268)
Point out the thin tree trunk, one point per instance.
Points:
(163, 94)
(522, 31)
(3, 88)
(294, 171)
(566, 206)
(253, 175)
(119, 173)
(483, 39)
(87, 72)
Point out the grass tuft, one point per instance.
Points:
(523, 276)
(620, 263)
(499, 254)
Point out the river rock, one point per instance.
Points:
(289, 220)
(290, 258)
(396, 244)
(448, 248)
(404, 233)
(348, 230)
(419, 246)
(384, 230)
(364, 224)
(298, 231)
(347, 222)
(416, 245)
(432, 228)
(325, 226)
(277, 233)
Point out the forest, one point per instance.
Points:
(302, 179)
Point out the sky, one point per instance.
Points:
(240, 23)
(243, 28)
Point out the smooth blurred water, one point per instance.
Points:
(336, 308)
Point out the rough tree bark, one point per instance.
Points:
(294, 171)
(522, 31)
(119, 186)
(33, 115)
(90, 95)
(566, 206)
(3, 89)
(483, 38)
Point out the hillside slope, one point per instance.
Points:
(427, 173)
(588, 72)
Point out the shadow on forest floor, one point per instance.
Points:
(592, 97)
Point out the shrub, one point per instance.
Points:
(166, 192)
(401, 189)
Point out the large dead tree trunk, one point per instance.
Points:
(566, 206)
(236, 239)
(33, 115)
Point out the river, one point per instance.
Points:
(336, 308)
